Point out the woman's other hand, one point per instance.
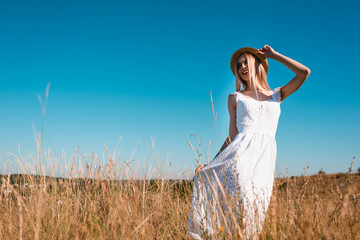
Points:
(199, 168)
(267, 51)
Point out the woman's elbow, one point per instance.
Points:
(305, 72)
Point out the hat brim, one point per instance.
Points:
(251, 50)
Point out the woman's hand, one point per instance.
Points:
(267, 51)
(199, 168)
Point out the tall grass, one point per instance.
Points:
(323, 206)
(92, 208)
(115, 201)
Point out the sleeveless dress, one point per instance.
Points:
(232, 193)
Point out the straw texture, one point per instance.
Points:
(251, 50)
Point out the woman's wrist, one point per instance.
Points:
(294, 66)
(275, 56)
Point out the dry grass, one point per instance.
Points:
(91, 204)
(323, 206)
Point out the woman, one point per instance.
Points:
(232, 193)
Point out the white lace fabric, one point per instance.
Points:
(233, 191)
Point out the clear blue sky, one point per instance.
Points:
(145, 69)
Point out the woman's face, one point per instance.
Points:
(243, 69)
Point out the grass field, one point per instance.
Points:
(322, 206)
(89, 203)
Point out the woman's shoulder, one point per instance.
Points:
(234, 93)
(232, 98)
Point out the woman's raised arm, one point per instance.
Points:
(301, 71)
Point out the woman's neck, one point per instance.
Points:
(252, 89)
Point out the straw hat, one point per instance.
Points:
(251, 50)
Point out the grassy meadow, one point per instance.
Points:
(91, 202)
(322, 206)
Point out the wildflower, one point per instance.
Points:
(222, 233)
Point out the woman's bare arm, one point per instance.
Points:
(301, 71)
(233, 131)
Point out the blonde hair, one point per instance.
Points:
(257, 73)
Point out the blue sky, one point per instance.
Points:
(144, 70)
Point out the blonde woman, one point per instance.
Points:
(231, 194)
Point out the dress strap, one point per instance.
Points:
(236, 94)
(277, 94)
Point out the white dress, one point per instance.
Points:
(233, 191)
